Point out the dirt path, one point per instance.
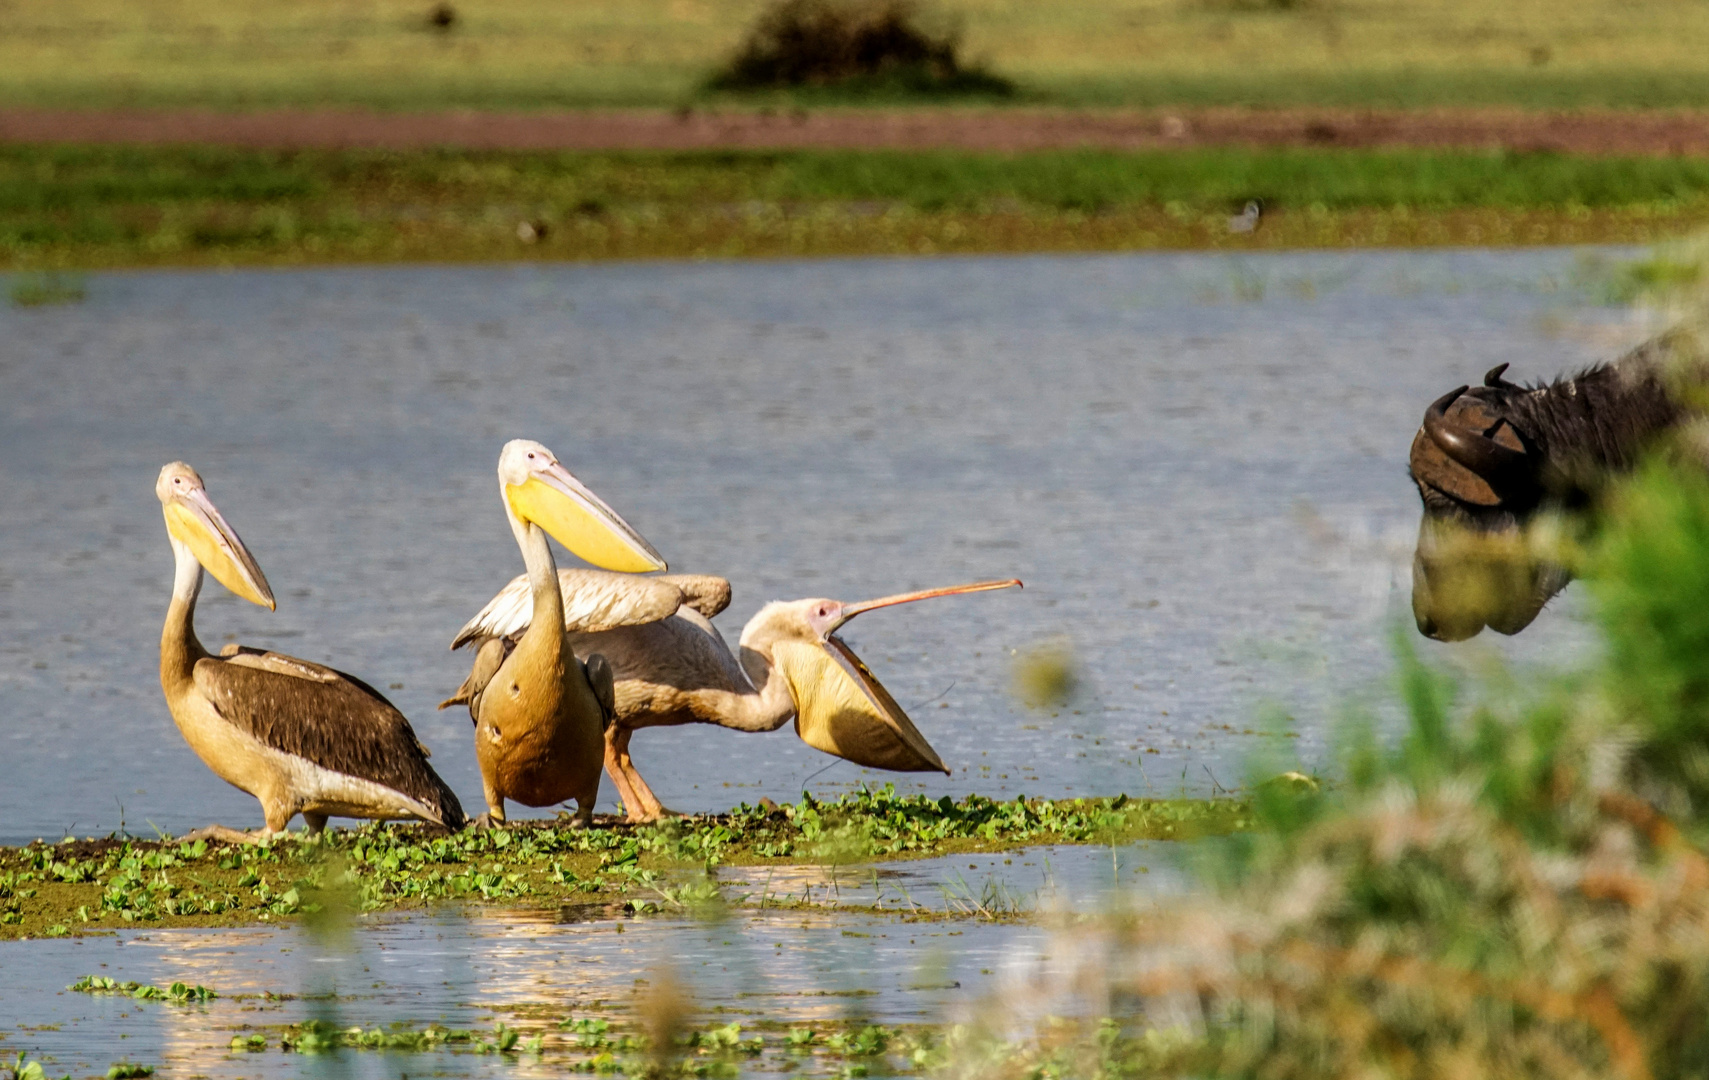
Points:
(995, 129)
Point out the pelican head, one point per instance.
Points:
(193, 521)
(539, 490)
(823, 618)
(840, 706)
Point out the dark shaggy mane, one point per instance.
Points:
(1598, 419)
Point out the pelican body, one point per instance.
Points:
(541, 712)
(300, 737)
(670, 666)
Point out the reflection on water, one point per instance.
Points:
(467, 969)
(1196, 463)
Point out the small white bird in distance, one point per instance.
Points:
(1247, 220)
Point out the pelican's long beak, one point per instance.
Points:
(849, 611)
(555, 500)
(842, 708)
(195, 521)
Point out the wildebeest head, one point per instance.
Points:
(1481, 479)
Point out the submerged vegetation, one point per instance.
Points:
(64, 206)
(52, 890)
(620, 1045)
(34, 289)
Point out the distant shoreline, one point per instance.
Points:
(1666, 133)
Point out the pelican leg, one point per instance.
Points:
(646, 806)
(614, 768)
(494, 817)
(655, 809)
(583, 818)
(315, 824)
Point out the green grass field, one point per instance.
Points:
(87, 207)
(545, 53)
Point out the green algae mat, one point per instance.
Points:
(80, 886)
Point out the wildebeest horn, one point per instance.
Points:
(1504, 469)
(1493, 379)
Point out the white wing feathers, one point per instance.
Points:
(594, 600)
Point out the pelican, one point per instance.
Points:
(300, 737)
(539, 732)
(670, 666)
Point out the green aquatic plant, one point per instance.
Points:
(23, 1068)
(869, 1041)
(322, 1037)
(620, 1043)
(993, 901)
(181, 993)
(86, 886)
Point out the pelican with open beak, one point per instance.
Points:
(539, 712)
(300, 737)
(670, 666)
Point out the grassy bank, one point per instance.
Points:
(535, 53)
(74, 887)
(113, 206)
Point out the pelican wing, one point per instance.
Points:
(280, 664)
(704, 593)
(328, 718)
(842, 709)
(594, 600)
(489, 657)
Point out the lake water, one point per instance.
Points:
(1196, 463)
(471, 969)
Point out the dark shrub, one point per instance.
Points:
(820, 43)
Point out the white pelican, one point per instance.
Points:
(300, 737)
(670, 666)
(540, 712)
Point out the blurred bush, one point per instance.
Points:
(1046, 676)
(871, 44)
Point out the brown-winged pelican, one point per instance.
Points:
(540, 713)
(300, 737)
(670, 666)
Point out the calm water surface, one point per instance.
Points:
(471, 969)
(1196, 462)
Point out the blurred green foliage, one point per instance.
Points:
(1650, 574)
(1046, 676)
